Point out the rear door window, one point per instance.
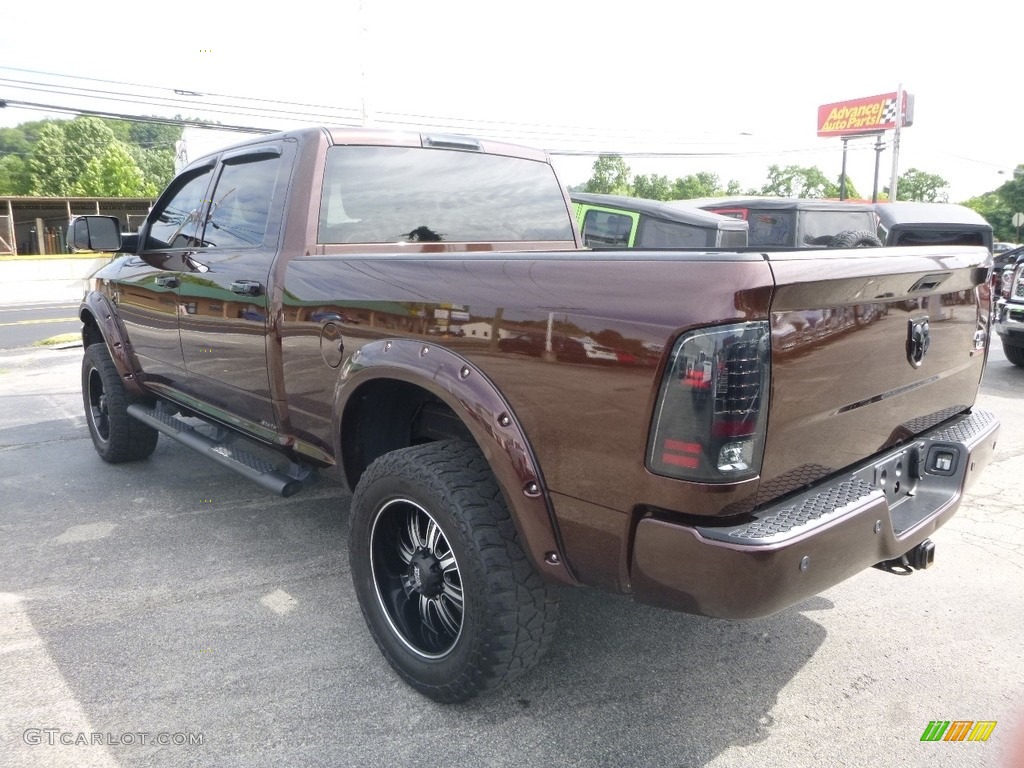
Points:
(414, 194)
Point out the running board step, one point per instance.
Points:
(245, 463)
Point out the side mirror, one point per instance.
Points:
(94, 233)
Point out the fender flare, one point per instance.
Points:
(97, 306)
(488, 416)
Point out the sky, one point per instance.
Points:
(730, 88)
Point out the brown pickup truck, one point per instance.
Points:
(724, 432)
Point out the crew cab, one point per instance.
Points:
(750, 426)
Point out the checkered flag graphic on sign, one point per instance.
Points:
(889, 112)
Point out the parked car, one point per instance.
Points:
(524, 343)
(1002, 269)
(799, 222)
(1008, 316)
(615, 221)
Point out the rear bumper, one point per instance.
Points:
(811, 541)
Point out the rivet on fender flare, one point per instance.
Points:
(424, 351)
(464, 373)
(504, 420)
(531, 489)
(805, 563)
(552, 558)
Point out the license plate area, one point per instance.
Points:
(897, 475)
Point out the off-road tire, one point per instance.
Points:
(507, 612)
(852, 238)
(117, 436)
(1014, 354)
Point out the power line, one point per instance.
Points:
(59, 91)
(160, 88)
(132, 118)
(504, 127)
(152, 100)
(554, 140)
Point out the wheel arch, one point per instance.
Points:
(397, 393)
(100, 325)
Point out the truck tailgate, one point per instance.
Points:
(869, 347)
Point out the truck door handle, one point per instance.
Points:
(246, 287)
(168, 281)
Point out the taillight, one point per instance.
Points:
(709, 423)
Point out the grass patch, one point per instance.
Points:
(63, 338)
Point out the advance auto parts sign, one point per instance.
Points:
(868, 115)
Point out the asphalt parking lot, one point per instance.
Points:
(169, 613)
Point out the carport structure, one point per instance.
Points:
(38, 225)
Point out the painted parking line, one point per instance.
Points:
(47, 320)
(37, 307)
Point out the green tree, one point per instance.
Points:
(14, 177)
(68, 157)
(851, 189)
(113, 173)
(701, 184)
(63, 151)
(157, 166)
(610, 176)
(1012, 192)
(997, 212)
(732, 188)
(13, 142)
(921, 186)
(653, 187)
(84, 139)
(47, 167)
(154, 135)
(121, 129)
(798, 181)
(19, 139)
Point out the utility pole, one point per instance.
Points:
(879, 146)
(896, 144)
(363, 47)
(842, 174)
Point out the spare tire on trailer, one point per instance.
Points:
(854, 238)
